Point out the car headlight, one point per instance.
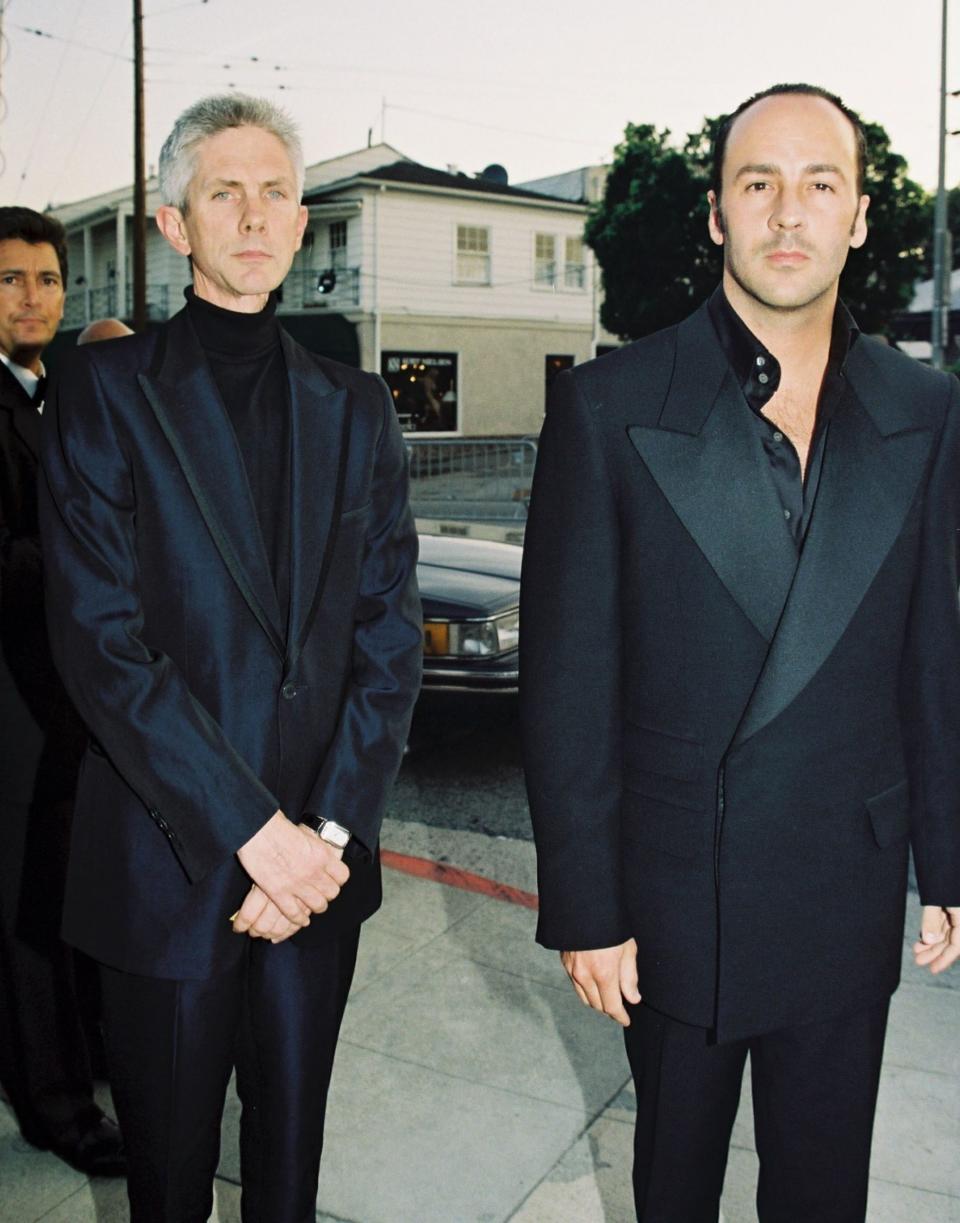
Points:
(471, 638)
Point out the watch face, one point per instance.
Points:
(334, 834)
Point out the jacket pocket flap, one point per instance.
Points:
(663, 753)
(678, 831)
(890, 814)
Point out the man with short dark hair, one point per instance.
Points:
(44, 1060)
(233, 602)
(741, 686)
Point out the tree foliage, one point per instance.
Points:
(646, 234)
(879, 278)
(649, 233)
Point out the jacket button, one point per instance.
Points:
(289, 691)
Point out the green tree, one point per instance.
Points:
(649, 233)
(879, 278)
(646, 234)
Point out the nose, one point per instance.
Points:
(253, 217)
(31, 290)
(787, 213)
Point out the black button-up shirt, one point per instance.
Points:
(758, 373)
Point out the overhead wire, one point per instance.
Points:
(32, 148)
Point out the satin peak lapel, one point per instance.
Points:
(320, 427)
(872, 468)
(184, 397)
(708, 461)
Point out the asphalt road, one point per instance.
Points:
(464, 767)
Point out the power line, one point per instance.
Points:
(71, 42)
(46, 106)
(510, 131)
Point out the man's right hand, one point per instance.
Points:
(603, 978)
(300, 873)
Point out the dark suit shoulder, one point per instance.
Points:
(901, 392)
(630, 383)
(123, 357)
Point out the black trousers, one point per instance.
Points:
(171, 1046)
(44, 1061)
(814, 1097)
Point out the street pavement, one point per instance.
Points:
(472, 1087)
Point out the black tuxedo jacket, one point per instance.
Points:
(727, 745)
(208, 712)
(42, 737)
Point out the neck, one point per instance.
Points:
(240, 303)
(796, 337)
(26, 358)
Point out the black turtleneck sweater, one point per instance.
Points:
(248, 367)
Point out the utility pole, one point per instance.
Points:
(139, 178)
(940, 314)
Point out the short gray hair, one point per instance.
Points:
(207, 118)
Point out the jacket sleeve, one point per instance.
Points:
(166, 746)
(570, 680)
(362, 761)
(930, 676)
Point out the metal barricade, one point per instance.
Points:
(471, 479)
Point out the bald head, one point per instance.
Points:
(103, 329)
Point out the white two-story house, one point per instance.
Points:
(467, 294)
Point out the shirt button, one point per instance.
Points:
(787, 514)
(778, 436)
(761, 360)
(289, 691)
(764, 378)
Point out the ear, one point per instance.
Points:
(170, 223)
(715, 222)
(301, 225)
(858, 231)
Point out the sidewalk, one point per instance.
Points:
(471, 1085)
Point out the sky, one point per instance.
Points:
(539, 87)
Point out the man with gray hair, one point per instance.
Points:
(233, 603)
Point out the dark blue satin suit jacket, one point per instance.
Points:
(208, 713)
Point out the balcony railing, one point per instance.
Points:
(84, 305)
(300, 291)
(303, 289)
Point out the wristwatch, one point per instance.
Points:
(334, 834)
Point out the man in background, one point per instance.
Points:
(44, 1061)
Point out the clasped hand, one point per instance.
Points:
(939, 942)
(295, 874)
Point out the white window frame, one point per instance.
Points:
(337, 254)
(579, 285)
(487, 255)
(541, 282)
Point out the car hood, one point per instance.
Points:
(464, 578)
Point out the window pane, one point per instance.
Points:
(473, 254)
(574, 270)
(424, 389)
(545, 259)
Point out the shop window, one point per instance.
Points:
(473, 255)
(424, 390)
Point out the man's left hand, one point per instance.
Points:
(259, 917)
(939, 942)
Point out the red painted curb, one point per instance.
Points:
(453, 876)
